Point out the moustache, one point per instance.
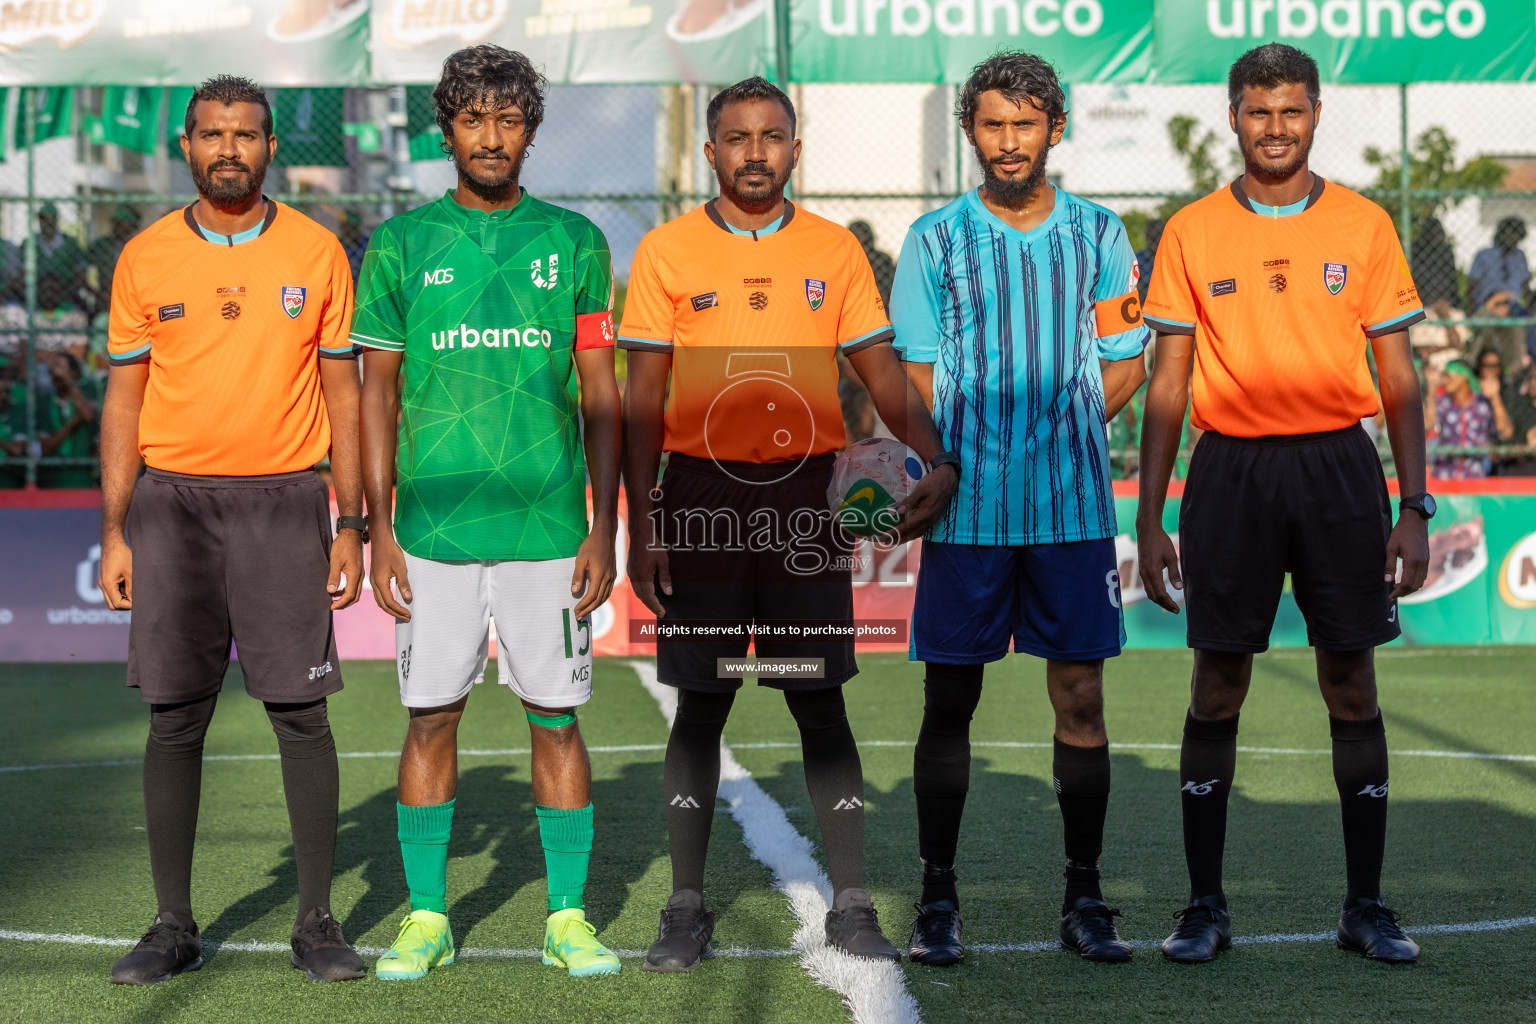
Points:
(486, 154)
(1287, 140)
(228, 165)
(746, 169)
(1008, 158)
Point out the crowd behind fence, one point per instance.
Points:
(1455, 165)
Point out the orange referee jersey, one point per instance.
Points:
(754, 323)
(1281, 307)
(232, 334)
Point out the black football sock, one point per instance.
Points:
(1360, 773)
(690, 780)
(1082, 790)
(1207, 761)
(941, 771)
(835, 778)
(173, 783)
(312, 788)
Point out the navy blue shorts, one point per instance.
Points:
(1058, 601)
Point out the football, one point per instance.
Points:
(869, 479)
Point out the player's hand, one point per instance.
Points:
(648, 570)
(1154, 553)
(929, 499)
(115, 576)
(346, 562)
(595, 571)
(1410, 542)
(388, 566)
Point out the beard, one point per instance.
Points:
(492, 183)
(1012, 191)
(1252, 158)
(228, 192)
(753, 195)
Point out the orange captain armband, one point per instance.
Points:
(1113, 316)
(594, 330)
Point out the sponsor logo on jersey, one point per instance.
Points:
(1277, 283)
(815, 293)
(293, 301)
(230, 310)
(465, 336)
(1334, 276)
(706, 301)
(174, 312)
(537, 272)
(758, 301)
(1227, 287)
(442, 275)
(757, 282)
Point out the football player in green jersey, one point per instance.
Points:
(486, 318)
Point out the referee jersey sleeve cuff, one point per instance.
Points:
(634, 344)
(364, 341)
(1162, 326)
(1397, 323)
(138, 355)
(864, 341)
(350, 352)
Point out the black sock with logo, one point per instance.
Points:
(690, 780)
(835, 777)
(1207, 761)
(1360, 773)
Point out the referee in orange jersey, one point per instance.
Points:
(1273, 288)
(231, 366)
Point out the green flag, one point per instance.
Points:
(426, 138)
(307, 123)
(55, 114)
(176, 117)
(130, 117)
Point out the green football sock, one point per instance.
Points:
(424, 835)
(567, 839)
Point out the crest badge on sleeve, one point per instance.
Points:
(1334, 276)
(293, 301)
(815, 293)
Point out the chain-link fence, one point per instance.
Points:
(85, 169)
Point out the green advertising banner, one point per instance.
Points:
(1481, 587)
(54, 114)
(941, 40)
(421, 130)
(307, 123)
(1352, 40)
(130, 118)
(579, 41)
(170, 42)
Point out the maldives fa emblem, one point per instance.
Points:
(815, 293)
(293, 301)
(1334, 276)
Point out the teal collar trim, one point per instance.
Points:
(232, 240)
(1302, 205)
(720, 222)
(766, 230)
(1279, 211)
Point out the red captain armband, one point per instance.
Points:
(1113, 316)
(594, 330)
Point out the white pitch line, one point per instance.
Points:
(874, 992)
(652, 748)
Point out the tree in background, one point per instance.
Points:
(1431, 165)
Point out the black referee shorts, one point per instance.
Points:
(747, 544)
(1312, 505)
(221, 558)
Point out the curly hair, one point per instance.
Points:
(755, 88)
(1020, 76)
(1270, 66)
(229, 90)
(487, 78)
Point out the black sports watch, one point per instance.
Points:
(946, 459)
(358, 523)
(1423, 504)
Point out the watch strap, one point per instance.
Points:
(358, 523)
(946, 459)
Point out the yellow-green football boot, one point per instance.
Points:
(571, 942)
(425, 942)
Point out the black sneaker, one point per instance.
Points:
(1370, 928)
(936, 935)
(166, 950)
(1204, 929)
(321, 951)
(682, 939)
(1088, 929)
(854, 928)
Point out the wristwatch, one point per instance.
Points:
(946, 459)
(1423, 504)
(358, 523)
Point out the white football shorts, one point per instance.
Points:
(544, 653)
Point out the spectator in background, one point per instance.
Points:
(1501, 267)
(880, 262)
(60, 262)
(1463, 418)
(354, 240)
(1520, 401)
(1508, 342)
(12, 475)
(68, 425)
(11, 268)
(101, 256)
(1146, 255)
(1433, 263)
(1440, 343)
(1490, 384)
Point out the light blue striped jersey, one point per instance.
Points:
(1007, 319)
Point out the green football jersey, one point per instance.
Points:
(488, 309)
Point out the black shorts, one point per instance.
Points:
(746, 544)
(220, 558)
(1312, 505)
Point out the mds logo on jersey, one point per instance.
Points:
(1334, 276)
(293, 301)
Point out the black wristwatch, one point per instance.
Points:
(1423, 504)
(358, 523)
(946, 459)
